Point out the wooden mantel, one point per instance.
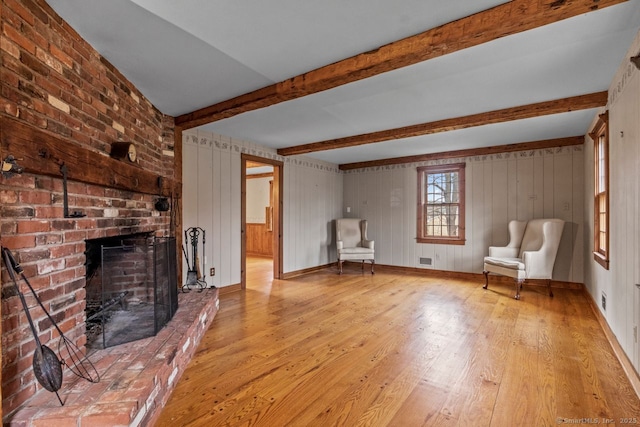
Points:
(40, 152)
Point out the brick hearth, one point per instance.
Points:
(136, 379)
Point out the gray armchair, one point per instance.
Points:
(352, 243)
(530, 254)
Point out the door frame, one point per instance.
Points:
(278, 169)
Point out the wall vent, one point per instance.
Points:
(425, 261)
(604, 301)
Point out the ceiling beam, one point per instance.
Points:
(564, 105)
(503, 20)
(483, 151)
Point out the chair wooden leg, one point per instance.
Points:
(340, 266)
(363, 266)
(549, 287)
(486, 280)
(372, 263)
(518, 287)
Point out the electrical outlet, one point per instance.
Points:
(212, 271)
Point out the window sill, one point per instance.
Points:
(441, 241)
(600, 259)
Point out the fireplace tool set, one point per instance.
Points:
(194, 273)
(47, 366)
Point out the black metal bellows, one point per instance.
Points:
(47, 366)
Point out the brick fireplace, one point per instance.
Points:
(62, 104)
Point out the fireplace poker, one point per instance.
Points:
(113, 301)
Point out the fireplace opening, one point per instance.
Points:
(131, 288)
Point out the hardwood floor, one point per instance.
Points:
(400, 350)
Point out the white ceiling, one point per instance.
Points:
(191, 54)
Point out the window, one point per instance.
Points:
(441, 204)
(600, 136)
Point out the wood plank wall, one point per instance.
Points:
(500, 187)
(259, 240)
(312, 199)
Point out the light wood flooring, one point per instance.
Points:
(399, 349)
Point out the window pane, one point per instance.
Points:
(603, 222)
(600, 162)
(442, 219)
(451, 217)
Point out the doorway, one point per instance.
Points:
(261, 206)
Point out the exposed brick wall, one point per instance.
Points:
(53, 80)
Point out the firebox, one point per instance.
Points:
(131, 288)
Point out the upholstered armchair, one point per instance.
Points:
(352, 243)
(530, 254)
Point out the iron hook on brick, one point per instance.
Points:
(65, 196)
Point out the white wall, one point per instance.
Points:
(618, 283)
(499, 187)
(211, 199)
(257, 199)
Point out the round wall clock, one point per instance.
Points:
(132, 155)
(124, 151)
